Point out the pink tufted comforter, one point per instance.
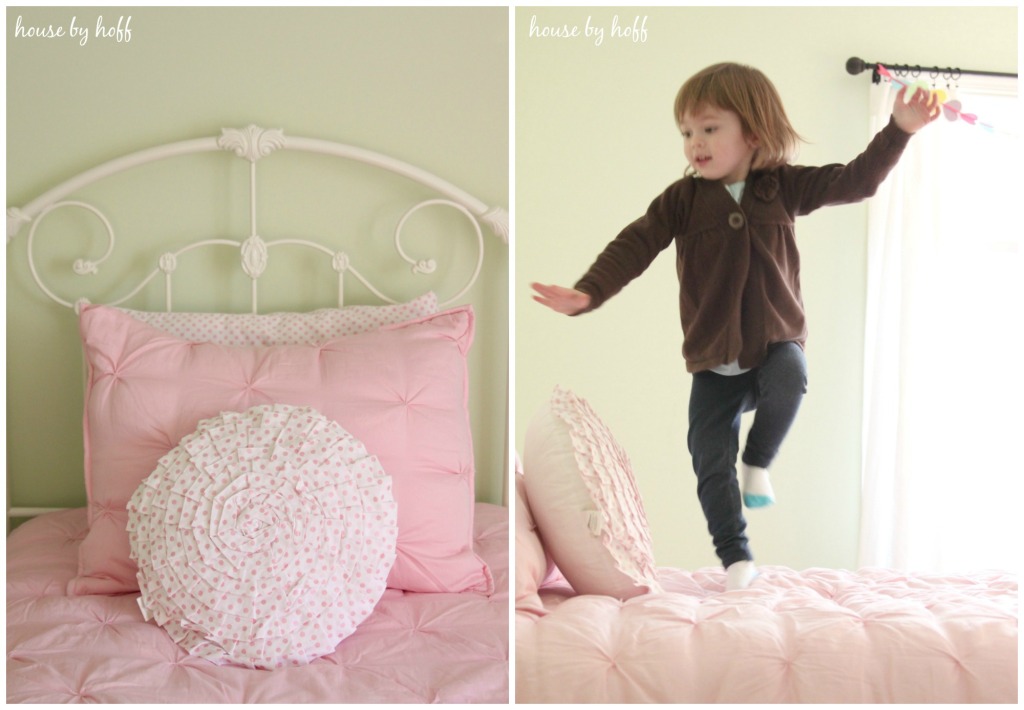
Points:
(412, 648)
(813, 636)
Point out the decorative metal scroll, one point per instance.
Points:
(253, 143)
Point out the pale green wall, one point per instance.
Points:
(595, 142)
(426, 85)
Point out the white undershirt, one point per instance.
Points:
(733, 368)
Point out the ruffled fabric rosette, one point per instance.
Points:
(264, 538)
(619, 521)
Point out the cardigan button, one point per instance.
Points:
(736, 220)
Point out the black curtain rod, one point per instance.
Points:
(855, 65)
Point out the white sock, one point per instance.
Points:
(757, 487)
(739, 575)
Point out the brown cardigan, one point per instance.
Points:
(738, 264)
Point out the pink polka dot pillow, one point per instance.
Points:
(585, 502)
(264, 538)
(243, 329)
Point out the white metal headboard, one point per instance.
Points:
(253, 143)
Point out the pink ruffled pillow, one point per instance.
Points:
(312, 328)
(585, 501)
(264, 538)
(401, 390)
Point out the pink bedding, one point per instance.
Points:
(814, 636)
(413, 647)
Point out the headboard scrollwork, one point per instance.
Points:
(253, 143)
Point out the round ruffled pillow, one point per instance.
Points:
(585, 501)
(264, 538)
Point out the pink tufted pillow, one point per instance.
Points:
(533, 564)
(401, 390)
(310, 328)
(585, 501)
(264, 538)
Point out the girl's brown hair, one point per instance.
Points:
(751, 95)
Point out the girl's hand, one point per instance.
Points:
(923, 108)
(560, 299)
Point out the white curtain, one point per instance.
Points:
(943, 427)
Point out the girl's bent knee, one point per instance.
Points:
(784, 370)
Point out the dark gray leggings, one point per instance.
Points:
(775, 390)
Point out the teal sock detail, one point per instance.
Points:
(756, 487)
(755, 501)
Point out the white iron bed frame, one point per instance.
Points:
(251, 143)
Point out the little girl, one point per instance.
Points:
(731, 218)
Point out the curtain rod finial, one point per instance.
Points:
(855, 65)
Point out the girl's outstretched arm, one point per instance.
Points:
(560, 299)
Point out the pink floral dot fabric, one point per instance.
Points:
(313, 328)
(264, 538)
